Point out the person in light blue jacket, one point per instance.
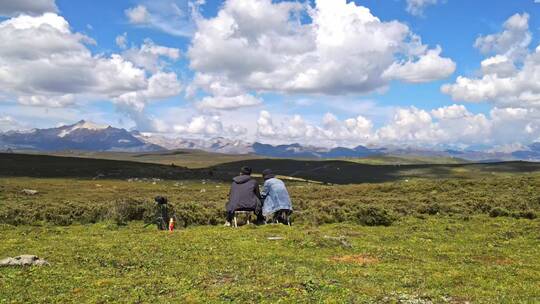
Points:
(277, 202)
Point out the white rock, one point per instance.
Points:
(24, 260)
(29, 192)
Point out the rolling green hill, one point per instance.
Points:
(333, 171)
(202, 159)
(184, 158)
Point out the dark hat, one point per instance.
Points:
(245, 170)
(267, 174)
(160, 200)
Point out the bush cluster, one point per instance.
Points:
(526, 214)
(202, 202)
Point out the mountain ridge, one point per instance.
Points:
(88, 136)
(79, 136)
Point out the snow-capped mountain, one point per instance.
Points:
(82, 135)
(217, 145)
(88, 136)
(297, 150)
(80, 125)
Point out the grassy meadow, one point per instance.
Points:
(452, 233)
(193, 159)
(433, 260)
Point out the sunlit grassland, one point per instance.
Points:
(194, 159)
(442, 259)
(423, 234)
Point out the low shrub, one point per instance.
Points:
(430, 209)
(374, 216)
(498, 211)
(86, 201)
(529, 214)
(13, 216)
(125, 210)
(526, 214)
(481, 206)
(192, 213)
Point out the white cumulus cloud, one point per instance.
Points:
(265, 125)
(175, 17)
(427, 68)
(50, 101)
(259, 45)
(46, 64)
(510, 77)
(416, 7)
(150, 56)
(44, 58)
(452, 125)
(160, 86)
(121, 40)
(512, 42)
(138, 14)
(228, 103)
(206, 125)
(8, 123)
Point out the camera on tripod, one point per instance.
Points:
(162, 212)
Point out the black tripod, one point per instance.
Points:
(162, 213)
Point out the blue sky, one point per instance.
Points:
(337, 75)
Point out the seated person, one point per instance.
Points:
(276, 198)
(244, 196)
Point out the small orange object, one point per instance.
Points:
(171, 224)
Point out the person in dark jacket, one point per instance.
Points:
(244, 196)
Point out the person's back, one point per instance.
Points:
(275, 194)
(244, 195)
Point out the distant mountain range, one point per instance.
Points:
(88, 136)
(297, 150)
(217, 145)
(532, 154)
(80, 136)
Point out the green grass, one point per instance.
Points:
(453, 234)
(483, 260)
(193, 159)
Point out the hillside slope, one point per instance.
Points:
(338, 172)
